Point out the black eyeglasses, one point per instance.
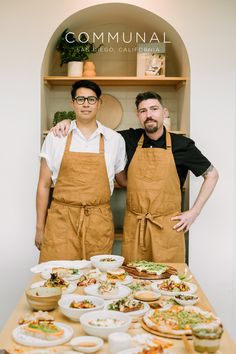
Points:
(81, 99)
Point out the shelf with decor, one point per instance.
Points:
(176, 81)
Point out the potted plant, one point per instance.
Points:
(73, 51)
(59, 116)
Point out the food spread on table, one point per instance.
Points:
(165, 317)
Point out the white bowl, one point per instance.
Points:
(74, 314)
(103, 331)
(85, 340)
(187, 300)
(104, 266)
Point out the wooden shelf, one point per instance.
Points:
(118, 80)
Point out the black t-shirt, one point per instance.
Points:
(186, 154)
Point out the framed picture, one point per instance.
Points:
(151, 59)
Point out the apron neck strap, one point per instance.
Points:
(68, 141)
(101, 144)
(140, 142)
(168, 141)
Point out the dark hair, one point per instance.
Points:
(86, 84)
(146, 95)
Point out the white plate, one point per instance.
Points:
(131, 313)
(42, 267)
(155, 287)
(40, 351)
(70, 289)
(93, 290)
(99, 342)
(47, 275)
(27, 340)
(135, 350)
(128, 279)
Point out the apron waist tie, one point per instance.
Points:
(142, 221)
(82, 222)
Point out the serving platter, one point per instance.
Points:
(46, 266)
(21, 338)
(136, 350)
(70, 289)
(149, 276)
(176, 321)
(161, 334)
(47, 274)
(156, 287)
(122, 291)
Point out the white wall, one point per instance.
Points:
(207, 29)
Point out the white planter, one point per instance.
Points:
(75, 68)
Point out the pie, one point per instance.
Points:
(177, 320)
(149, 270)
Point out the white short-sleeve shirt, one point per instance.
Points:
(115, 154)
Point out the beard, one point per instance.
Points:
(151, 128)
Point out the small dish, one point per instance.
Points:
(86, 344)
(186, 300)
(147, 295)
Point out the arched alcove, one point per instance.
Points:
(122, 19)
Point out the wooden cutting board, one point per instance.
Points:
(147, 276)
(110, 112)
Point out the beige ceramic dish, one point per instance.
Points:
(43, 298)
(147, 295)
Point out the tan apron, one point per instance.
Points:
(79, 222)
(153, 197)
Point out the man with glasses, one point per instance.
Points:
(82, 167)
(158, 164)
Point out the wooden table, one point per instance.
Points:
(6, 341)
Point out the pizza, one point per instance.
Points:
(177, 320)
(149, 270)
